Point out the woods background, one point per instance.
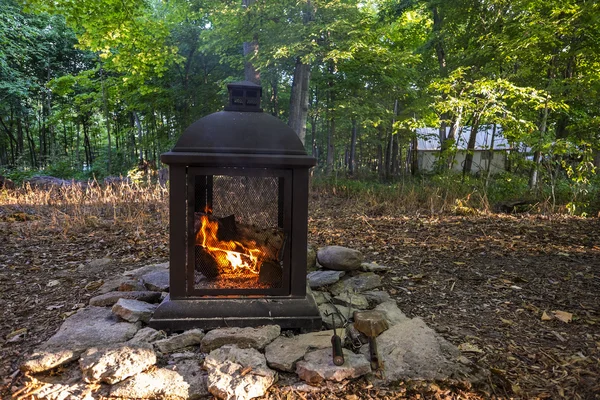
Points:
(93, 88)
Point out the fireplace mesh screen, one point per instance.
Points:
(239, 235)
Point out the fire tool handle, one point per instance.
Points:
(338, 354)
(374, 354)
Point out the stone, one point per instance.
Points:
(412, 350)
(377, 296)
(321, 297)
(96, 265)
(339, 258)
(238, 374)
(317, 279)
(329, 311)
(160, 383)
(139, 272)
(373, 267)
(393, 314)
(110, 298)
(256, 338)
(193, 374)
(318, 366)
(157, 281)
(112, 285)
(68, 385)
(131, 285)
(355, 300)
(78, 333)
(311, 258)
(114, 363)
(147, 335)
(176, 342)
(359, 283)
(284, 352)
(134, 310)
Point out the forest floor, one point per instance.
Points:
(519, 294)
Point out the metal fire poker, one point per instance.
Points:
(336, 344)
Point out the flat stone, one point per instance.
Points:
(318, 366)
(256, 338)
(377, 296)
(68, 385)
(412, 350)
(329, 311)
(321, 297)
(78, 333)
(96, 265)
(114, 363)
(134, 310)
(393, 314)
(354, 300)
(110, 298)
(157, 281)
(284, 352)
(339, 258)
(317, 279)
(192, 373)
(112, 285)
(161, 383)
(147, 335)
(176, 342)
(131, 285)
(139, 272)
(359, 283)
(239, 374)
(373, 267)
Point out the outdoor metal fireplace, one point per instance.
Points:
(238, 222)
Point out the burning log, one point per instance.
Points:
(223, 245)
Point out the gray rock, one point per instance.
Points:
(354, 300)
(393, 314)
(238, 374)
(131, 285)
(157, 281)
(377, 296)
(318, 366)
(139, 272)
(78, 333)
(256, 338)
(317, 279)
(329, 311)
(176, 342)
(359, 283)
(311, 258)
(412, 350)
(114, 363)
(96, 265)
(339, 258)
(134, 310)
(321, 297)
(112, 285)
(193, 374)
(161, 383)
(110, 298)
(373, 267)
(147, 335)
(284, 352)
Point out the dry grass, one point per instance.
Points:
(76, 206)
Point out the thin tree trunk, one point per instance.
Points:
(352, 163)
(299, 99)
(537, 155)
(139, 129)
(106, 116)
(471, 145)
(250, 48)
(414, 158)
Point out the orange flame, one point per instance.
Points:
(229, 254)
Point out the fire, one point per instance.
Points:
(230, 255)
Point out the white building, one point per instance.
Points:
(429, 146)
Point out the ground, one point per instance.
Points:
(517, 293)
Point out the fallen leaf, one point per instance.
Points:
(506, 321)
(459, 263)
(94, 285)
(55, 307)
(469, 348)
(53, 283)
(16, 333)
(546, 317)
(563, 316)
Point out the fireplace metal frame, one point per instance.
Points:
(238, 143)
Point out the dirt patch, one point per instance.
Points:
(491, 285)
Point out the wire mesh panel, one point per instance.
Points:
(239, 239)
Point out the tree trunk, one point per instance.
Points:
(414, 158)
(139, 129)
(537, 155)
(106, 116)
(330, 145)
(299, 99)
(471, 145)
(250, 48)
(352, 163)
